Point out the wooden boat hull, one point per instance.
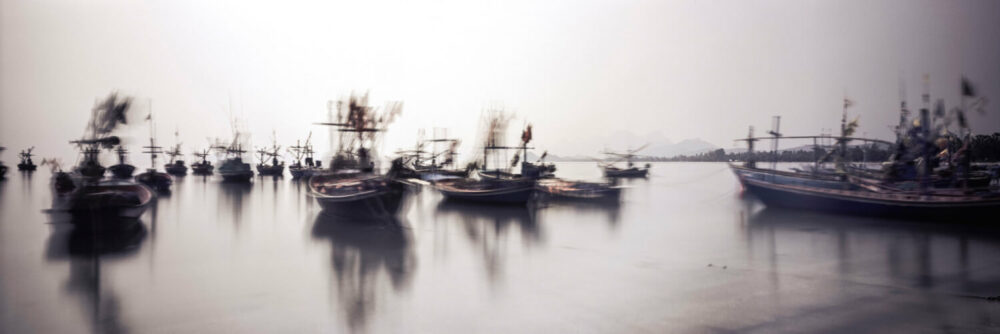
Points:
(516, 193)
(26, 167)
(867, 203)
(377, 197)
(128, 200)
(624, 173)
(580, 191)
(790, 178)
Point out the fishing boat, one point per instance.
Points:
(911, 194)
(436, 164)
(122, 170)
(26, 164)
(496, 186)
(866, 202)
(110, 198)
(202, 167)
(352, 185)
(630, 170)
(233, 169)
(85, 193)
(495, 191)
(556, 188)
(357, 193)
(174, 166)
(276, 168)
(153, 178)
(304, 165)
(89, 167)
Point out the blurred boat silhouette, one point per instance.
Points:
(152, 177)
(352, 185)
(497, 191)
(202, 167)
(499, 185)
(928, 177)
(579, 190)
(233, 169)
(359, 194)
(108, 199)
(630, 170)
(89, 167)
(175, 166)
(122, 170)
(304, 165)
(435, 164)
(26, 164)
(276, 168)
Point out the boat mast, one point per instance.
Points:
(775, 132)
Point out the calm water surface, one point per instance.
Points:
(684, 252)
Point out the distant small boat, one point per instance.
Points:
(610, 170)
(174, 166)
(233, 169)
(26, 164)
(579, 190)
(156, 180)
(122, 170)
(203, 167)
(304, 165)
(487, 191)
(276, 168)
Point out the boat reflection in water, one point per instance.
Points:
(88, 251)
(915, 268)
(368, 256)
(233, 194)
(488, 226)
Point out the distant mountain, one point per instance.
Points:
(684, 147)
(658, 146)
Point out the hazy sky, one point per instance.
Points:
(577, 70)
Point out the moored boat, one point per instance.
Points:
(352, 186)
(153, 178)
(361, 194)
(303, 165)
(233, 169)
(864, 202)
(122, 170)
(203, 167)
(487, 191)
(174, 166)
(109, 198)
(630, 170)
(276, 168)
(26, 164)
(579, 190)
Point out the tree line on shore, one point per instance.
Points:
(982, 148)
